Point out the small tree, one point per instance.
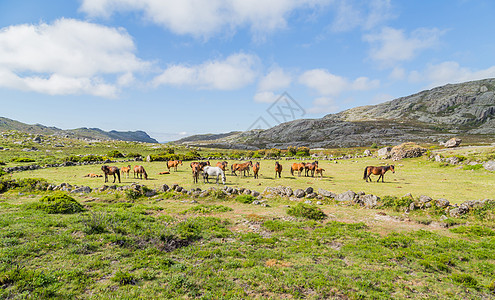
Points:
(291, 150)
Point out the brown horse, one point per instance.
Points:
(92, 175)
(173, 164)
(201, 164)
(244, 167)
(319, 171)
(222, 165)
(381, 170)
(256, 169)
(278, 169)
(311, 167)
(126, 170)
(196, 169)
(297, 167)
(139, 170)
(115, 171)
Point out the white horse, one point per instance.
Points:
(213, 171)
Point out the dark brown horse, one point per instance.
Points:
(299, 167)
(278, 170)
(381, 170)
(173, 164)
(256, 169)
(139, 170)
(115, 171)
(311, 167)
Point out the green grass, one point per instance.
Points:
(134, 250)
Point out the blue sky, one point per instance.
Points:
(177, 68)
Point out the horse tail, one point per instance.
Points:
(365, 172)
(292, 171)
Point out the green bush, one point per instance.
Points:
(59, 203)
(85, 158)
(246, 199)
(307, 211)
(291, 150)
(95, 223)
(2, 163)
(472, 167)
(124, 278)
(133, 154)
(302, 151)
(465, 279)
(396, 203)
(115, 154)
(23, 159)
(206, 209)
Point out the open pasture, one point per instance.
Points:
(417, 176)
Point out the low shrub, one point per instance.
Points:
(115, 154)
(465, 279)
(58, 203)
(124, 278)
(206, 209)
(133, 154)
(95, 223)
(23, 159)
(307, 211)
(396, 203)
(472, 167)
(246, 199)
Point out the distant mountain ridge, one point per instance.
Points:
(83, 133)
(465, 109)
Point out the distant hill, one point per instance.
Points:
(83, 133)
(465, 110)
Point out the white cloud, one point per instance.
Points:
(365, 14)
(449, 72)
(276, 79)
(67, 57)
(326, 83)
(393, 45)
(323, 105)
(323, 81)
(236, 71)
(266, 97)
(330, 86)
(205, 18)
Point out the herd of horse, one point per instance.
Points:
(204, 167)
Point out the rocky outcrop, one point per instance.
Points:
(429, 116)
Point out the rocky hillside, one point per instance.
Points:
(83, 133)
(466, 110)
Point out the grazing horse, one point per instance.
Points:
(297, 167)
(222, 165)
(196, 169)
(139, 170)
(319, 171)
(115, 171)
(244, 167)
(311, 167)
(381, 170)
(126, 170)
(256, 169)
(173, 164)
(213, 171)
(278, 169)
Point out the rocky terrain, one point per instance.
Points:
(81, 133)
(465, 110)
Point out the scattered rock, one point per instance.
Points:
(346, 196)
(326, 193)
(452, 143)
(299, 193)
(489, 165)
(442, 203)
(384, 152)
(369, 201)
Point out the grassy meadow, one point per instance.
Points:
(107, 245)
(416, 176)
